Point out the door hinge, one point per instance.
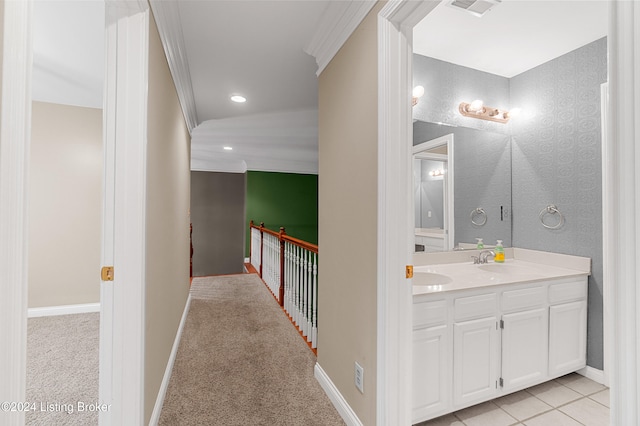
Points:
(106, 273)
(409, 271)
(501, 382)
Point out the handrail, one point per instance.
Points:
(304, 244)
(289, 268)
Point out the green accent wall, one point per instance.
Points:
(283, 199)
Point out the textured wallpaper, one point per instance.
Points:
(554, 155)
(557, 149)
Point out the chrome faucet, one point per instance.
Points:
(484, 254)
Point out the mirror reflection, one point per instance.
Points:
(471, 198)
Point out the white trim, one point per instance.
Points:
(157, 408)
(593, 374)
(624, 188)
(167, 16)
(15, 136)
(395, 230)
(122, 321)
(342, 406)
(607, 231)
(51, 311)
(339, 20)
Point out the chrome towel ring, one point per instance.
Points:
(551, 210)
(478, 216)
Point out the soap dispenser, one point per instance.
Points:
(499, 251)
(480, 245)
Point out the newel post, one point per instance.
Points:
(261, 246)
(250, 239)
(281, 292)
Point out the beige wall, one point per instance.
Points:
(168, 188)
(348, 138)
(65, 205)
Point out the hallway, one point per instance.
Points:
(240, 361)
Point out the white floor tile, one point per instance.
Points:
(522, 405)
(601, 397)
(580, 384)
(587, 412)
(552, 418)
(554, 393)
(487, 414)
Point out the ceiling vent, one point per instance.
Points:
(475, 7)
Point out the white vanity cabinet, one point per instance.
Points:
(474, 345)
(432, 341)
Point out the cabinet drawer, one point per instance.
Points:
(429, 313)
(564, 292)
(523, 298)
(475, 306)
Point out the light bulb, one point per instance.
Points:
(476, 106)
(418, 91)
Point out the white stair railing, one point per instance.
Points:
(301, 288)
(289, 268)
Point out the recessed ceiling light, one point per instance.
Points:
(228, 148)
(238, 98)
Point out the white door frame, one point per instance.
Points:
(122, 319)
(15, 136)
(395, 212)
(622, 233)
(122, 312)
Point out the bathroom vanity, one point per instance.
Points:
(481, 331)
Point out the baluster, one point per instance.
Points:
(314, 313)
(299, 290)
(303, 307)
(309, 295)
(297, 293)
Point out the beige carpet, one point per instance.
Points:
(62, 369)
(241, 362)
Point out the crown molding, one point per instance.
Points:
(338, 22)
(167, 17)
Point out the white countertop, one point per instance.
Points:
(520, 266)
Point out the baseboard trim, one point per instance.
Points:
(593, 374)
(157, 408)
(338, 401)
(50, 311)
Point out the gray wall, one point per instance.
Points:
(555, 149)
(557, 160)
(217, 215)
(446, 85)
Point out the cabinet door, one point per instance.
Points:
(431, 372)
(475, 360)
(524, 348)
(567, 337)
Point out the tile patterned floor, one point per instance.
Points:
(571, 400)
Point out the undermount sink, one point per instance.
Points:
(430, 278)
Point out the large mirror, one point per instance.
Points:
(462, 187)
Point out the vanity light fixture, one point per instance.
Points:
(476, 109)
(417, 93)
(438, 172)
